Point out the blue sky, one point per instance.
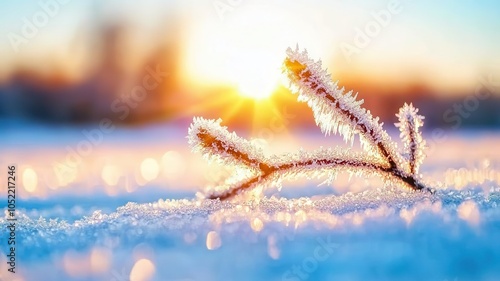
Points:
(457, 38)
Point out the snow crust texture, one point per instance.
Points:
(134, 222)
(378, 234)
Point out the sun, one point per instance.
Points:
(258, 84)
(258, 75)
(239, 58)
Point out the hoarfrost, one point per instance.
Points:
(334, 111)
(413, 143)
(168, 220)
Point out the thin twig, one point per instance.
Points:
(266, 171)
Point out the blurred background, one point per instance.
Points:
(80, 61)
(96, 98)
(102, 92)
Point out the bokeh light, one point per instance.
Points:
(143, 270)
(149, 169)
(30, 180)
(213, 240)
(110, 174)
(173, 164)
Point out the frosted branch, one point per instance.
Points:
(334, 111)
(320, 163)
(216, 143)
(409, 126)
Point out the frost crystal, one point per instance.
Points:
(216, 143)
(409, 126)
(167, 220)
(334, 111)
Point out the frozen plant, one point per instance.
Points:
(334, 111)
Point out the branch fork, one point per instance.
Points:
(335, 112)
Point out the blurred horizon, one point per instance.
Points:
(76, 62)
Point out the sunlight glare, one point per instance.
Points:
(259, 78)
(246, 54)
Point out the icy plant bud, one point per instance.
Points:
(215, 142)
(409, 126)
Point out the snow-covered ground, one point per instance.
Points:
(128, 211)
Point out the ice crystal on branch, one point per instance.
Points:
(409, 126)
(335, 112)
(216, 143)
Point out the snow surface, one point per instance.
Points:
(373, 235)
(353, 230)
